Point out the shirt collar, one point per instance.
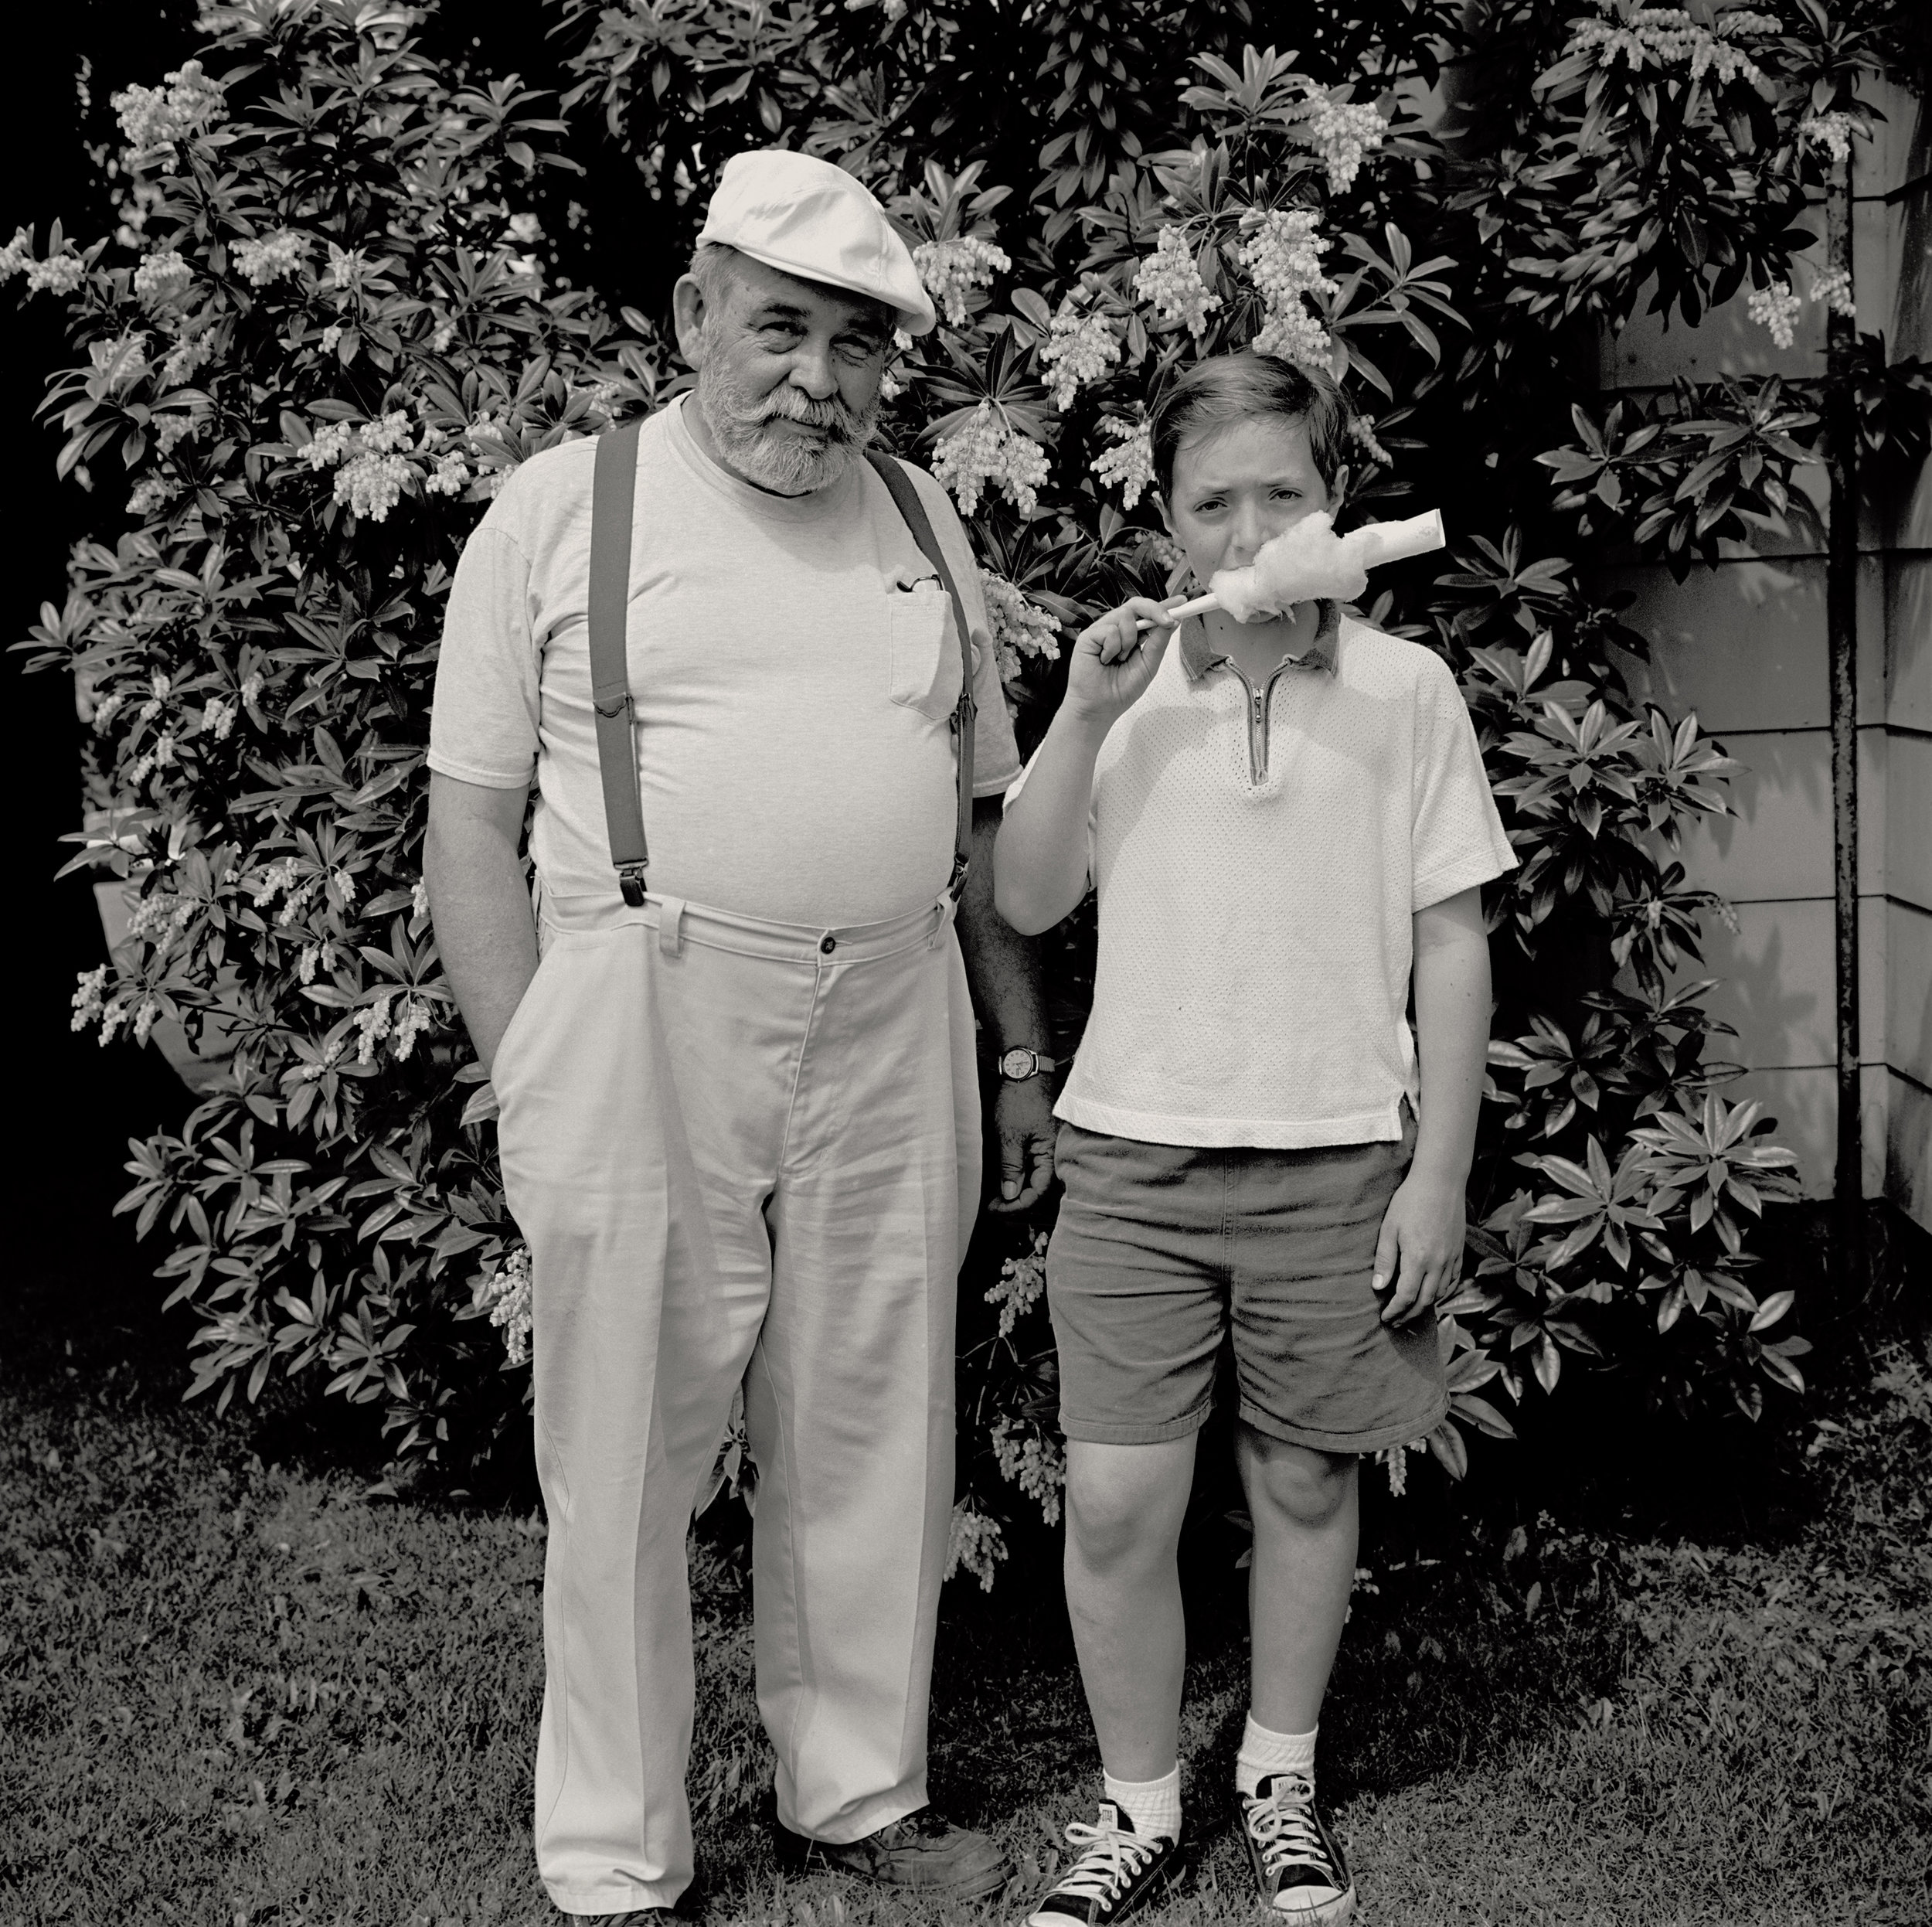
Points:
(1199, 655)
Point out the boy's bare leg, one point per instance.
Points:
(1304, 1509)
(1125, 1505)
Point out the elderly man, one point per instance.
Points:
(738, 1110)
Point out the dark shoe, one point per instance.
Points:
(920, 1853)
(1115, 1872)
(1297, 1863)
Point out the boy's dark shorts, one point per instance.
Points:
(1160, 1249)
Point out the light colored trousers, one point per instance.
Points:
(738, 1151)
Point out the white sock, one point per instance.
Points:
(1153, 1805)
(1263, 1753)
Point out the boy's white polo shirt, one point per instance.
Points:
(1256, 878)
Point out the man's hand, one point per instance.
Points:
(1023, 1123)
(1422, 1232)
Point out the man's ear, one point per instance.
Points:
(687, 313)
(1167, 521)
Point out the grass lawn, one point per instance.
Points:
(235, 1691)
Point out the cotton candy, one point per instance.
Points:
(1310, 561)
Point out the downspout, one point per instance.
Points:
(1841, 624)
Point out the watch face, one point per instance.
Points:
(1017, 1064)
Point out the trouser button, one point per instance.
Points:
(827, 945)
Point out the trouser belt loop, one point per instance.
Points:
(670, 925)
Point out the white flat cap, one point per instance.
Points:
(813, 220)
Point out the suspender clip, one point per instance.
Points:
(630, 880)
(617, 708)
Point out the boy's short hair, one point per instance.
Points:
(1227, 389)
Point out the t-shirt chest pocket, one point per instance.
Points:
(923, 645)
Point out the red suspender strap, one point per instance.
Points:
(614, 489)
(906, 497)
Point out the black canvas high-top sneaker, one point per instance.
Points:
(1297, 1863)
(1114, 1871)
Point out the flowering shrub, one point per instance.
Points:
(314, 356)
(321, 337)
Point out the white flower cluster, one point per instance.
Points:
(60, 274)
(1393, 1458)
(371, 485)
(1342, 134)
(150, 493)
(1171, 283)
(220, 717)
(1129, 464)
(420, 899)
(1362, 430)
(280, 879)
(1037, 1465)
(1776, 307)
(1080, 349)
(1282, 256)
(450, 477)
(153, 119)
(160, 918)
(396, 1015)
(988, 450)
(1668, 37)
(162, 277)
(1022, 1280)
(259, 262)
(506, 1291)
(89, 999)
(373, 473)
(975, 1543)
(1831, 131)
(171, 430)
(1021, 628)
(952, 270)
(186, 356)
(1166, 553)
(160, 757)
(91, 1004)
(1834, 288)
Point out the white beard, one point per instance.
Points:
(786, 464)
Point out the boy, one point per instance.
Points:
(1278, 822)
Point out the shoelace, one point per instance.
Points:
(1283, 1826)
(1108, 1859)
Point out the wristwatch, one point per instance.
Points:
(1020, 1062)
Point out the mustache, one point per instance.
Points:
(829, 416)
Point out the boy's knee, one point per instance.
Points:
(1125, 1504)
(1305, 1485)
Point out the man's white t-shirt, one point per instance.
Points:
(794, 662)
(1252, 981)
